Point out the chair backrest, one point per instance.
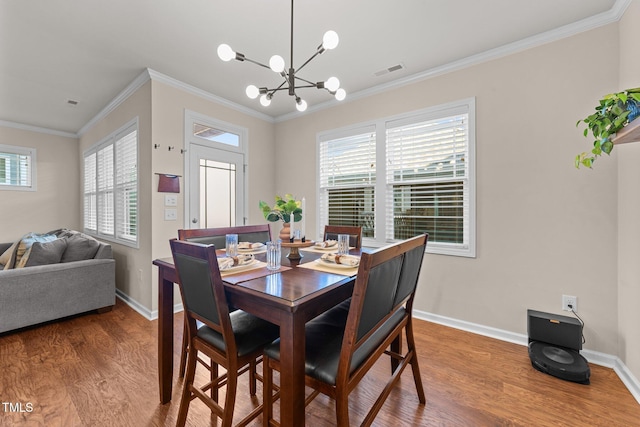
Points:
(201, 287)
(216, 236)
(386, 281)
(355, 234)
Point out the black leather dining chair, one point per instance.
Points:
(355, 234)
(217, 237)
(234, 340)
(342, 344)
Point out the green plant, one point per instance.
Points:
(612, 114)
(282, 209)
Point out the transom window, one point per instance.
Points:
(111, 187)
(17, 168)
(403, 176)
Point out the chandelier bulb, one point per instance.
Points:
(301, 104)
(330, 40)
(332, 84)
(252, 91)
(340, 94)
(265, 100)
(276, 63)
(225, 52)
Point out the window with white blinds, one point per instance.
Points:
(423, 182)
(17, 168)
(347, 179)
(111, 187)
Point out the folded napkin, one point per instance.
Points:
(350, 260)
(226, 263)
(327, 243)
(249, 245)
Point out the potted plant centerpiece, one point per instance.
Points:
(613, 113)
(284, 209)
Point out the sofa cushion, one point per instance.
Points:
(25, 243)
(80, 247)
(41, 253)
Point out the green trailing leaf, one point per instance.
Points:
(611, 115)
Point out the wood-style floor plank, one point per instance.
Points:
(101, 370)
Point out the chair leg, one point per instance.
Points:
(186, 391)
(184, 350)
(230, 400)
(396, 347)
(252, 378)
(415, 368)
(342, 408)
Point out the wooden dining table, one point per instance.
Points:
(289, 298)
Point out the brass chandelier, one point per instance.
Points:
(292, 81)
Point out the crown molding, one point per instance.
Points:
(162, 78)
(612, 15)
(38, 129)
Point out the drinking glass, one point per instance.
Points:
(343, 244)
(232, 244)
(273, 255)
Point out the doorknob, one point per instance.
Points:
(194, 220)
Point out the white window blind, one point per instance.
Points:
(111, 187)
(347, 180)
(427, 181)
(17, 168)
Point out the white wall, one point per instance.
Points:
(56, 203)
(629, 203)
(544, 228)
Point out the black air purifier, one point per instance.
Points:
(554, 346)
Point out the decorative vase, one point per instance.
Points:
(634, 110)
(285, 233)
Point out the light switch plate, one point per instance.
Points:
(170, 214)
(170, 200)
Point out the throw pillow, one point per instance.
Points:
(28, 240)
(80, 247)
(7, 259)
(42, 253)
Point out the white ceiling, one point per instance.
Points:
(90, 50)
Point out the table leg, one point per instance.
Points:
(292, 372)
(165, 337)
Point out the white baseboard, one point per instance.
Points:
(142, 310)
(596, 357)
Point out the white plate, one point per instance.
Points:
(333, 264)
(328, 248)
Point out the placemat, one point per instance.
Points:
(323, 251)
(329, 269)
(253, 273)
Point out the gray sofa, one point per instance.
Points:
(40, 293)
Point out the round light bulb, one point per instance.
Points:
(225, 52)
(330, 40)
(341, 94)
(252, 91)
(265, 100)
(332, 84)
(276, 63)
(301, 105)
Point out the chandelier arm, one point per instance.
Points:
(256, 62)
(318, 52)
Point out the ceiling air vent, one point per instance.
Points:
(389, 70)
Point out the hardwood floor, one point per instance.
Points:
(101, 370)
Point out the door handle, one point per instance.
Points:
(194, 220)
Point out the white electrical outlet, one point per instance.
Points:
(569, 303)
(170, 214)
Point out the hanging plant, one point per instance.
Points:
(613, 113)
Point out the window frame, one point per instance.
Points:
(24, 151)
(111, 189)
(383, 208)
